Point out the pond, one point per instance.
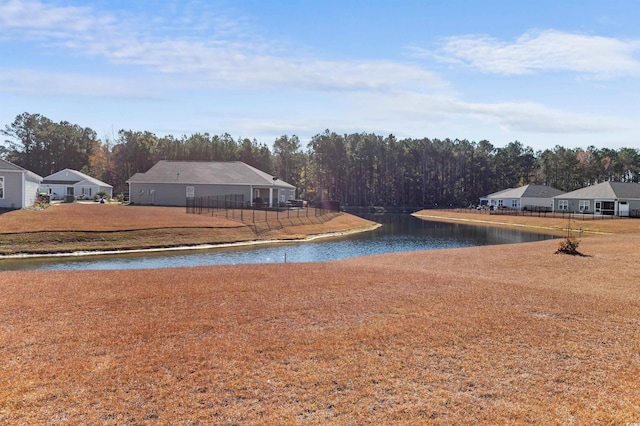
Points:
(399, 232)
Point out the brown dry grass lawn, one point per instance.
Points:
(488, 335)
(94, 226)
(608, 225)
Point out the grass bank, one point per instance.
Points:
(558, 226)
(103, 227)
(509, 334)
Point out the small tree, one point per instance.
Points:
(569, 245)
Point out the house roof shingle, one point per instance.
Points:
(606, 190)
(527, 191)
(207, 172)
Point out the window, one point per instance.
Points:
(1, 186)
(563, 204)
(499, 203)
(190, 191)
(515, 204)
(584, 205)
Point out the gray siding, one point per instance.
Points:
(13, 190)
(574, 204)
(175, 194)
(538, 202)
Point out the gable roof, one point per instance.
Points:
(208, 173)
(6, 165)
(606, 190)
(527, 191)
(73, 177)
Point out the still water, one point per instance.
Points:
(399, 232)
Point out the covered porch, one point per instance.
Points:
(266, 196)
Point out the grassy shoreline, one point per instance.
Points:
(104, 228)
(508, 334)
(108, 228)
(586, 225)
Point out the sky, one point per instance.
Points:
(544, 73)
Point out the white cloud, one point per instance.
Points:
(39, 83)
(34, 20)
(220, 59)
(182, 47)
(521, 117)
(547, 50)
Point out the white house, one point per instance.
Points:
(527, 197)
(18, 186)
(73, 183)
(170, 183)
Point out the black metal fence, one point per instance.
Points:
(259, 216)
(543, 213)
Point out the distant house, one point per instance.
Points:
(606, 198)
(170, 183)
(73, 183)
(18, 186)
(527, 197)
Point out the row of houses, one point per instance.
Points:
(605, 198)
(19, 188)
(171, 183)
(168, 183)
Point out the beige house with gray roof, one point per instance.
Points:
(606, 198)
(170, 183)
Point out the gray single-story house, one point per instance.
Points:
(527, 197)
(70, 182)
(18, 186)
(606, 198)
(170, 183)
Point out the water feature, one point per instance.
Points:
(399, 232)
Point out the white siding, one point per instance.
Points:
(31, 193)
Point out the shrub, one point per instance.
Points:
(568, 245)
(102, 194)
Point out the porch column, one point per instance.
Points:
(270, 197)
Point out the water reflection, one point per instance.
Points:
(400, 232)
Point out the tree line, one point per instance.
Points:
(359, 169)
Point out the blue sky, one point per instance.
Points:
(544, 73)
